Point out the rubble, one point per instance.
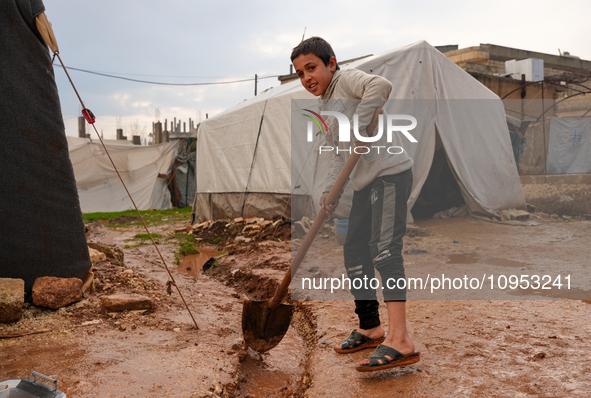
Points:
(12, 298)
(240, 230)
(513, 214)
(129, 302)
(114, 254)
(54, 293)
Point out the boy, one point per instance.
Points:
(377, 222)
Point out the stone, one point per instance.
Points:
(129, 302)
(54, 293)
(302, 228)
(519, 214)
(412, 230)
(114, 254)
(96, 256)
(12, 299)
(263, 223)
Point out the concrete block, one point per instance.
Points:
(122, 302)
(12, 298)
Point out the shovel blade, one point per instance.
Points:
(263, 328)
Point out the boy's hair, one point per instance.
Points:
(317, 46)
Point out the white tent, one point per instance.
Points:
(475, 138)
(100, 189)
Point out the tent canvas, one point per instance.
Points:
(569, 146)
(477, 142)
(99, 187)
(42, 228)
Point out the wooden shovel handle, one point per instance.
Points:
(320, 218)
(318, 223)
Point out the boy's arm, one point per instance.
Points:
(338, 163)
(372, 90)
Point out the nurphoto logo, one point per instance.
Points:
(391, 123)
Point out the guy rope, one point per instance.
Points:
(44, 27)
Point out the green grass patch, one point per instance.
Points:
(185, 238)
(187, 248)
(130, 217)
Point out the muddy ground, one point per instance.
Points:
(499, 348)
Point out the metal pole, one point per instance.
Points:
(544, 130)
(187, 183)
(255, 85)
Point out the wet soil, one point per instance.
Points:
(502, 348)
(472, 347)
(133, 353)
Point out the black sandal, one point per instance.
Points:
(357, 342)
(380, 354)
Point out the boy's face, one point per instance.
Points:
(314, 75)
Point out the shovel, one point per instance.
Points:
(264, 323)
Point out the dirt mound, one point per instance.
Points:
(255, 287)
(561, 199)
(225, 232)
(254, 270)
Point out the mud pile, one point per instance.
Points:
(240, 230)
(561, 199)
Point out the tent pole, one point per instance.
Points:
(253, 158)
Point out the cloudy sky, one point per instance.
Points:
(182, 41)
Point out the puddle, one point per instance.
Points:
(107, 239)
(277, 373)
(472, 258)
(193, 264)
(554, 293)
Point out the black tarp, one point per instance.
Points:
(41, 226)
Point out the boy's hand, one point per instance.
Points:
(328, 208)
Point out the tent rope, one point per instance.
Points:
(90, 119)
(254, 155)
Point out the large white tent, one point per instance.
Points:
(244, 155)
(99, 187)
